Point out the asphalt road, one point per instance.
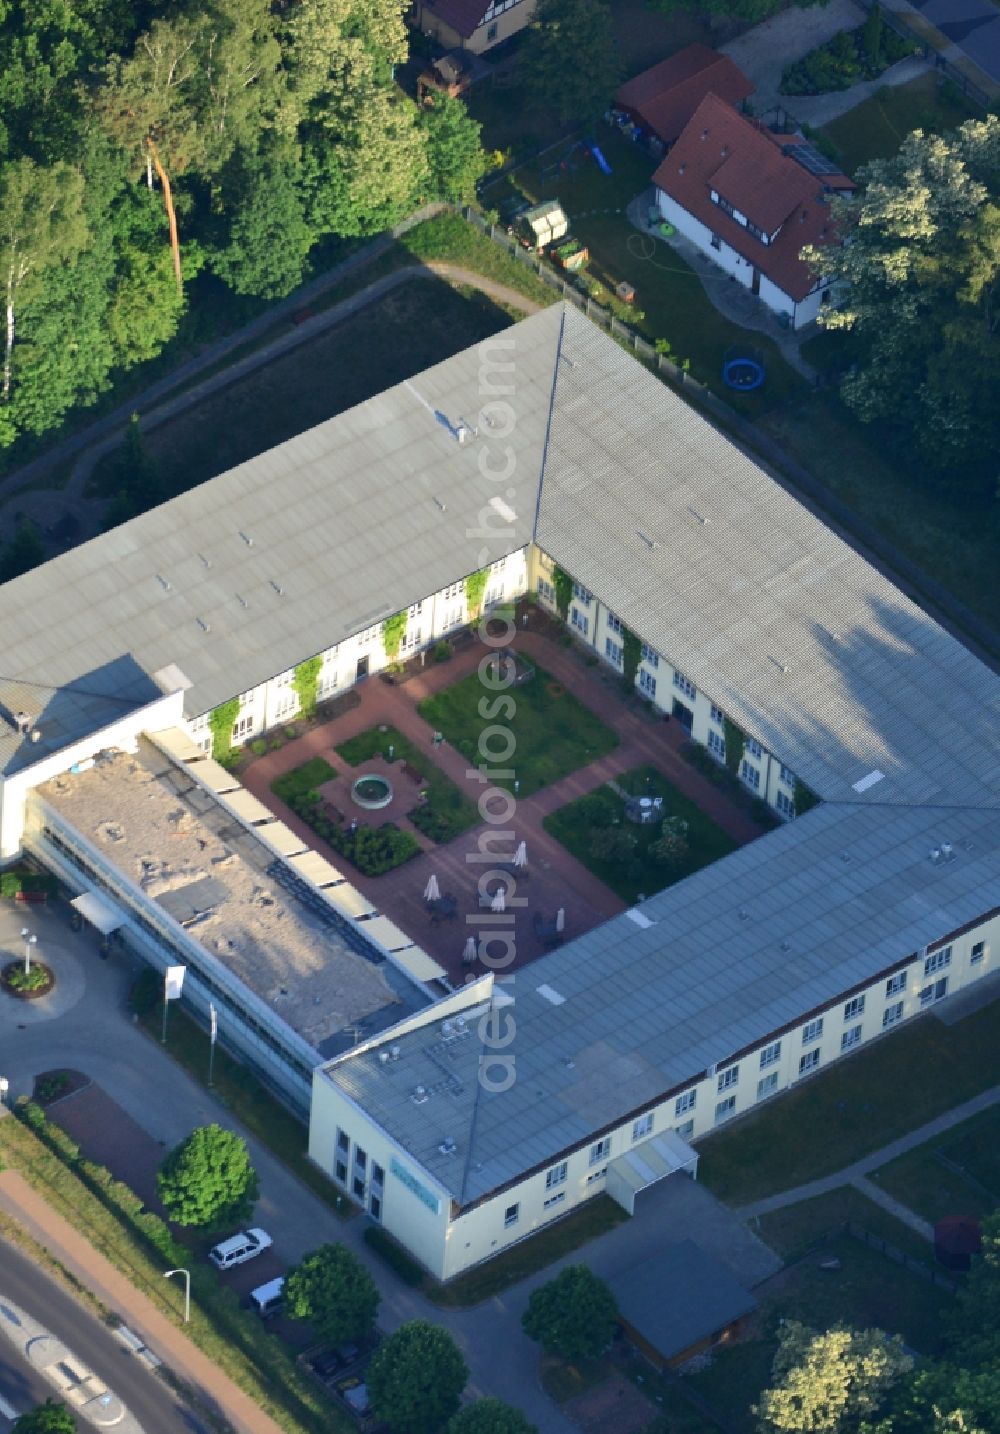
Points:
(148, 1398)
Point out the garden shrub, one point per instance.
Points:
(442, 651)
(845, 59)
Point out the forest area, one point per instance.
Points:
(144, 145)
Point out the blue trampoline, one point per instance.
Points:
(743, 370)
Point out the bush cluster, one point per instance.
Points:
(848, 57)
(373, 850)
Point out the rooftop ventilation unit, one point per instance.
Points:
(36, 735)
(164, 583)
(744, 914)
(447, 1146)
(420, 1095)
(461, 1025)
(947, 851)
(651, 543)
(935, 855)
(447, 1029)
(463, 433)
(383, 1058)
(394, 1053)
(205, 627)
(246, 539)
(277, 587)
(22, 721)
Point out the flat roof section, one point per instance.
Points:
(176, 842)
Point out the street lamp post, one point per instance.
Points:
(187, 1290)
(4, 1087)
(29, 941)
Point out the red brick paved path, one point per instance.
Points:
(556, 878)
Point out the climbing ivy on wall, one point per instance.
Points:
(563, 584)
(305, 684)
(804, 799)
(220, 724)
(392, 634)
(475, 587)
(734, 746)
(631, 654)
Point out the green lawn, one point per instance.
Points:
(927, 1180)
(859, 1104)
(669, 294)
(876, 129)
(553, 731)
(453, 240)
(574, 826)
(794, 1230)
(302, 780)
(448, 811)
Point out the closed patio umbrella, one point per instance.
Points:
(499, 902)
(521, 855)
(469, 954)
(432, 892)
(561, 919)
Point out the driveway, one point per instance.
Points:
(763, 52)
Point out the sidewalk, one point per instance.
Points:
(93, 1271)
(852, 1174)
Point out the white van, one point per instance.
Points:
(239, 1248)
(268, 1299)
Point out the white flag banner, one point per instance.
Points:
(213, 1023)
(173, 981)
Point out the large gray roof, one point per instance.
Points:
(744, 947)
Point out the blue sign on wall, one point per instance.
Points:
(425, 1196)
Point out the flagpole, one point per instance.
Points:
(166, 1003)
(213, 1031)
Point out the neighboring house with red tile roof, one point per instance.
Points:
(475, 25)
(662, 99)
(751, 201)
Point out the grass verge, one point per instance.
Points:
(579, 823)
(856, 1106)
(876, 128)
(233, 1338)
(250, 1102)
(553, 732)
(796, 1229)
(448, 238)
(447, 811)
(957, 1173)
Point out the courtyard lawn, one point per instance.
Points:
(374, 849)
(574, 826)
(447, 812)
(894, 1085)
(553, 732)
(876, 129)
(956, 1174)
(300, 781)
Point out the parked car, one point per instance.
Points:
(354, 1393)
(268, 1299)
(326, 1364)
(239, 1248)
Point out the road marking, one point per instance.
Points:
(7, 1410)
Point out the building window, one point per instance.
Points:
(375, 1207)
(597, 1175)
(937, 961)
(557, 1175)
(546, 592)
(729, 1078)
(788, 777)
(343, 1141)
(643, 1126)
(686, 1130)
(241, 727)
(850, 1038)
(615, 624)
(895, 984)
(583, 594)
(717, 745)
(977, 953)
(246, 698)
(855, 1007)
(770, 1055)
(378, 1174)
(600, 1151)
(511, 1216)
(359, 1187)
(718, 716)
(891, 1015)
(685, 1102)
(685, 685)
(808, 1062)
(767, 1086)
(934, 992)
(725, 1108)
(579, 620)
(716, 242)
(650, 656)
(785, 804)
(491, 32)
(614, 652)
(812, 1030)
(753, 747)
(554, 1200)
(647, 683)
(340, 1170)
(749, 775)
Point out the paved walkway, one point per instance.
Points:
(556, 878)
(763, 52)
(902, 1212)
(860, 1169)
(95, 1273)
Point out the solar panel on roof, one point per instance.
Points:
(811, 159)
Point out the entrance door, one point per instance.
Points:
(684, 715)
(755, 285)
(362, 671)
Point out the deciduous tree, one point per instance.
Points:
(571, 65)
(490, 1416)
(268, 236)
(333, 1290)
(456, 158)
(574, 1315)
(828, 1383)
(47, 1418)
(416, 1378)
(208, 1180)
